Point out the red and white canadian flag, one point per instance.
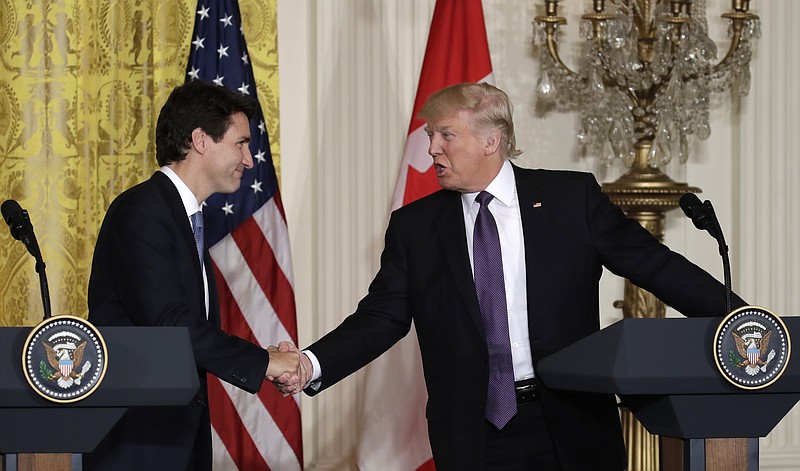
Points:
(394, 434)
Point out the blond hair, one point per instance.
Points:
(489, 108)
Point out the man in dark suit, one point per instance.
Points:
(556, 231)
(150, 270)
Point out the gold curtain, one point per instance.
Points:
(81, 85)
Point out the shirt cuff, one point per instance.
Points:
(314, 382)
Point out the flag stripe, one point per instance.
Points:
(239, 444)
(265, 270)
(273, 225)
(279, 453)
(282, 411)
(249, 245)
(248, 305)
(222, 459)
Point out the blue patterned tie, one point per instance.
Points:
(501, 400)
(197, 228)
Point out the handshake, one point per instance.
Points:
(288, 369)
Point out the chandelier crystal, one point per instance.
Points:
(647, 71)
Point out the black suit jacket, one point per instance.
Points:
(146, 272)
(571, 231)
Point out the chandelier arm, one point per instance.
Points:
(736, 42)
(552, 49)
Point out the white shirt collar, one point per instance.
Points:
(189, 200)
(503, 187)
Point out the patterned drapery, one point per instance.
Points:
(81, 85)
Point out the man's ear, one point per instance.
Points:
(199, 140)
(492, 143)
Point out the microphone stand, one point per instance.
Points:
(21, 229)
(45, 291)
(723, 251)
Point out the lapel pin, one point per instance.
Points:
(537, 204)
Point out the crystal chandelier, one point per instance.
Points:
(647, 70)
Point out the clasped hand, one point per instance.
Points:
(289, 369)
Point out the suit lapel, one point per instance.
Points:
(532, 212)
(453, 237)
(173, 199)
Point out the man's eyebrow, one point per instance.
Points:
(445, 127)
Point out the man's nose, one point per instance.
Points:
(247, 161)
(434, 148)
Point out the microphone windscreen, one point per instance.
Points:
(689, 202)
(10, 208)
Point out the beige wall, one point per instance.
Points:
(349, 71)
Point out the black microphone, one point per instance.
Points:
(704, 218)
(701, 214)
(19, 223)
(13, 215)
(20, 226)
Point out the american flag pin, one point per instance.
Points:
(537, 204)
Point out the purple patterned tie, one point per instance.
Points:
(197, 229)
(501, 400)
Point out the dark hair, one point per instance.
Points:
(193, 105)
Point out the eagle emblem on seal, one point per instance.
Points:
(752, 347)
(66, 359)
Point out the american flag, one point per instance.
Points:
(248, 239)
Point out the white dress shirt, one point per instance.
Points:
(505, 210)
(191, 206)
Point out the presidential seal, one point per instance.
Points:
(64, 359)
(752, 347)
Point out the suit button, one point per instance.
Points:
(201, 403)
(236, 377)
(243, 380)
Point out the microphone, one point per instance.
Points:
(19, 224)
(704, 218)
(701, 214)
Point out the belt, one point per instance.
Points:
(526, 390)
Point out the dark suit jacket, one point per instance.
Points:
(425, 276)
(146, 272)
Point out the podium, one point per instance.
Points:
(663, 370)
(147, 366)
